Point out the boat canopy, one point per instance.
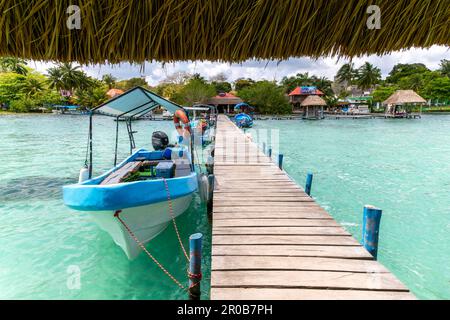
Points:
(242, 105)
(135, 102)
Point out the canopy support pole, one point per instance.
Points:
(117, 141)
(90, 144)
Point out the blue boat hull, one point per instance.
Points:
(143, 205)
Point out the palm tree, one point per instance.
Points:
(32, 86)
(55, 78)
(72, 76)
(346, 74)
(368, 76)
(109, 80)
(12, 64)
(67, 77)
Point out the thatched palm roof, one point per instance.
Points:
(224, 98)
(313, 101)
(404, 97)
(225, 30)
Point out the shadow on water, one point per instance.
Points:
(33, 187)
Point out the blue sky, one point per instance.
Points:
(269, 70)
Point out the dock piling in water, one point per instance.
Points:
(280, 161)
(269, 152)
(195, 265)
(371, 227)
(264, 147)
(210, 193)
(309, 179)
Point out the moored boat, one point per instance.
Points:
(146, 190)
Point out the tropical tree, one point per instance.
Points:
(222, 86)
(55, 78)
(109, 80)
(241, 83)
(11, 86)
(445, 68)
(267, 97)
(346, 74)
(180, 77)
(131, 83)
(381, 93)
(33, 86)
(299, 80)
(368, 76)
(405, 70)
(12, 64)
(195, 91)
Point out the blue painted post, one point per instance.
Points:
(269, 152)
(371, 227)
(280, 161)
(264, 148)
(195, 265)
(309, 179)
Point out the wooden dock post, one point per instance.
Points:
(264, 147)
(209, 204)
(309, 179)
(195, 265)
(371, 227)
(280, 161)
(269, 152)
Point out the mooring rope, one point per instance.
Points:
(116, 214)
(169, 200)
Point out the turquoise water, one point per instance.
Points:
(401, 166)
(41, 240)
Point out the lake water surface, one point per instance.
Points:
(401, 166)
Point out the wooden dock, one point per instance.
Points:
(270, 240)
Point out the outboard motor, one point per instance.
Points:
(160, 140)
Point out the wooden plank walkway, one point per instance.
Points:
(270, 240)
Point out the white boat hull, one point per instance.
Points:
(146, 222)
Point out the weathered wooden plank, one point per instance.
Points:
(280, 215)
(275, 223)
(274, 203)
(256, 210)
(343, 252)
(280, 231)
(241, 263)
(306, 279)
(284, 240)
(305, 294)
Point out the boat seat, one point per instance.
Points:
(120, 174)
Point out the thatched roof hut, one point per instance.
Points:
(311, 101)
(401, 97)
(312, 107)
(225, 102)
(224, 30)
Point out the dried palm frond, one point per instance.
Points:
(219, 30)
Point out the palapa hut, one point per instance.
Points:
(399, 104)
(313, 107)
(299, 94)
(225, 102)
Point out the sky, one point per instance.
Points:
(259, 70)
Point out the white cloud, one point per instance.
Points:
(268, 70)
